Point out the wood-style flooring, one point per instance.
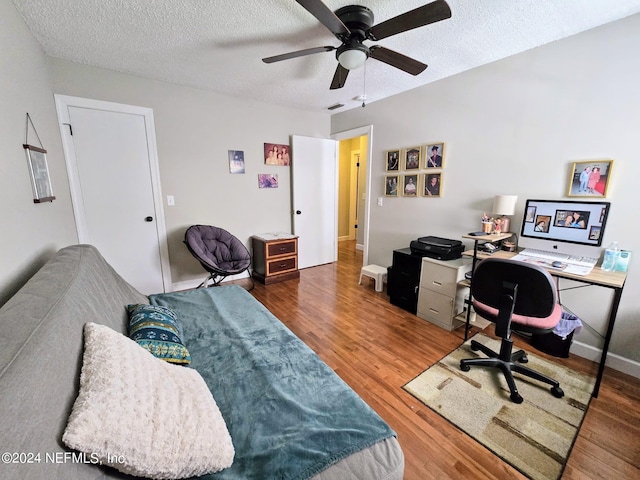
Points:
(377, 348)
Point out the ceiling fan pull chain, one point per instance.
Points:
(364, 84)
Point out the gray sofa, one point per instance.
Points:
(41, 347)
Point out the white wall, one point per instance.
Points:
(30, 233)
(195, 129)
(514, 127)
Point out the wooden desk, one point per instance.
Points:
(597, 277)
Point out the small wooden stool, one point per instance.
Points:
(376, 272)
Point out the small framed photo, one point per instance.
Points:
(434, 155)
(267, 180)
(594, 232)
(410, 185)
(590, 178)
(542, 223)
(236, 161)
(276, 154)
(39, 171)
(412, 158)
(391, 185)
(530, 215)
(392, 158)
(432, 184)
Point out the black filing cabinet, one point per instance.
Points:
(403, 279)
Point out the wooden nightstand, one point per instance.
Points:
(275, 257)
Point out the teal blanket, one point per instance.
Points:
(290, 416)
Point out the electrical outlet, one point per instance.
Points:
(170, 200)
(380, 200)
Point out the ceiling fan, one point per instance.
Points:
(352, 25)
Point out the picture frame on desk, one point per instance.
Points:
(590, 178)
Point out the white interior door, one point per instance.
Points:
(112, 164)
(315, 199)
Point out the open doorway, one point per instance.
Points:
(352, 191)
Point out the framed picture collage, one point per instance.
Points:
(415, 171)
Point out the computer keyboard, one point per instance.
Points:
(562, 257)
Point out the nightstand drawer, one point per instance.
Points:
(281, 248)
(281, 265)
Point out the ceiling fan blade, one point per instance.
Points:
(325, 16)
(421, 16)
(339, 78)
(398, 60)
(299, 53)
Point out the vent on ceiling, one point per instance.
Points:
(337, 105)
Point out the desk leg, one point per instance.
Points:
(612, 320)
(467, 326)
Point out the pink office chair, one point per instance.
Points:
(510, 292)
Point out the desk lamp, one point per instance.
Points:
(504, 205)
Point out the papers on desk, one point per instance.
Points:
(565, 267)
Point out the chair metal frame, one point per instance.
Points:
(512, 287)
(217, 274)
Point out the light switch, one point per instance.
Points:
(380, 201)
(170, 200)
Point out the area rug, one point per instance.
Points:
(536, 436)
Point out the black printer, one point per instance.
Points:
(437, 247)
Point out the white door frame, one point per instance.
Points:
(64, 101)
(358, 132)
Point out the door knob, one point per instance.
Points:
(148, 219)
(298, 212)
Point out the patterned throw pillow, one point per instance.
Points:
(157, 330)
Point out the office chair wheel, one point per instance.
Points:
(474, 347)
(516, 397)
(557, 392)
(524, 359)
(464, 367)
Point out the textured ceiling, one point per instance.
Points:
(218, 44)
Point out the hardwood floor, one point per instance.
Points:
(377, 348)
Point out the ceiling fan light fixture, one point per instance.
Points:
(353, 57)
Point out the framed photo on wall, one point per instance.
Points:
(392, 158)
(267, 180)
(410, 185)
(236, 161)
(276, 154)
(39, 172)
(434, 155)
(412, 158)
(391, 185)
(432, 185)
(590, 178)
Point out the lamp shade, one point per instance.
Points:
(352, 59)
(504, 204)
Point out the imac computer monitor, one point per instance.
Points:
(565, 221)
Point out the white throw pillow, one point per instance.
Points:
(144, 416)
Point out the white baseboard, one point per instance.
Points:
(191, 284)
(617, 362)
